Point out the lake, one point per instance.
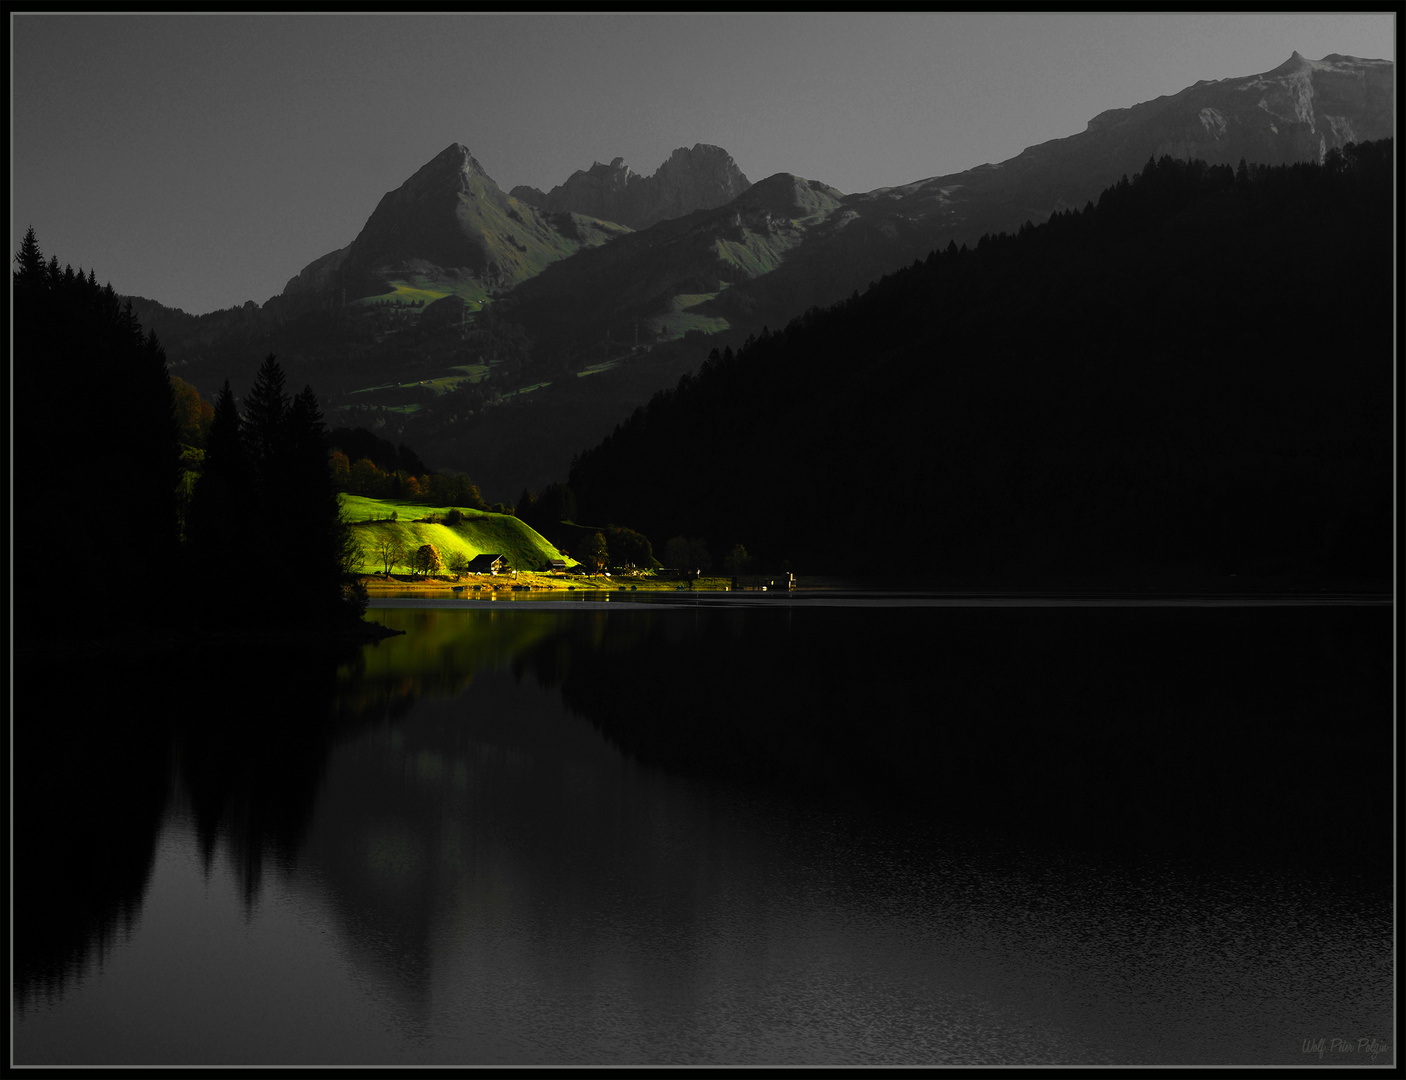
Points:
(731, 830)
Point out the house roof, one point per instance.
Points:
(484, 562)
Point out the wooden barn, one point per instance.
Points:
(487, 564)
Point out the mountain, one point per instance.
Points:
(649, 285)
(499, 336)
(1118, 395)
(1296, 112)
(449, 229)
(699, 179)
(788, 244)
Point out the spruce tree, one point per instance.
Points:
(313, 509)
(122, 421)
(30, 273)
(265, 425)
(222, 509)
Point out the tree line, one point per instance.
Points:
(266, 472)
(90, 398)
(362, 463)
(264, 501)
(1191, 377)
(366, 477)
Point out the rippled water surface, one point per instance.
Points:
(726, 834)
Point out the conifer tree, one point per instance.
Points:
(313, 507)
(123, 420)
(30, 273)
(265, 423)
(223, 501)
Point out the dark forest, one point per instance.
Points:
(99, 483)
(1189, 381)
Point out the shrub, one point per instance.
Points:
(355, 599)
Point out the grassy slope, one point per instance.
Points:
(672, 276)
(681, 319)
(478, 534)
(421, 287)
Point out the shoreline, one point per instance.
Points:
(1352, 591)
(395, 584)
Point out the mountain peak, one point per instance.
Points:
(450, 214)
(701, 178)
(456, 157)
(1296, 62)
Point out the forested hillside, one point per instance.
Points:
(174, 548)
(1191, 379)
(75, 342)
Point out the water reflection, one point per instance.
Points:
(1135, 729)
(237, 741)
(726, 835)
(89, 787)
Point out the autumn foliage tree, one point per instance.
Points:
(426, 560)
(193, 414)
(597, 553)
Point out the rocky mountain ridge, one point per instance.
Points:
(1296, 112)
(546, 298)
(701, 178)
(449, 221)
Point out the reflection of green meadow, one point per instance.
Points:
(479, 533)
(442, 648)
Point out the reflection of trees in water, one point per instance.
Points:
(89, 784)
(470, 813)
(244, 736)
(373, 852)
(251, 757)
(1192, 730)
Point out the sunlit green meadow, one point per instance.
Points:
(427, 289)
(681, 319)
(479, 533)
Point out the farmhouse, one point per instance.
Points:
(487, 564)
(556, 565)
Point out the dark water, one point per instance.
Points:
(720, 832)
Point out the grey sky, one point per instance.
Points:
(203, 160)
